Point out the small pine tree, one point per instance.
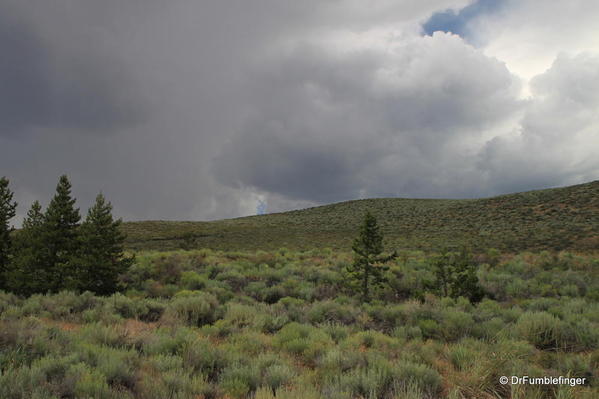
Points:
(7, 211)
(466, 281)
(444, 275)
(59, 235)
(101, 258)
(27, 275)
(455, 275)
(368, 266)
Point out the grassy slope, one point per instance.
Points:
(561, 218)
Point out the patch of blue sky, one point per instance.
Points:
(261, 208)
(458, 23)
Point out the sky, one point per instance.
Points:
(202, 110)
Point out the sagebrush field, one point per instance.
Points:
(565, 218)
(288, 324)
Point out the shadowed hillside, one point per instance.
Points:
(554, 219)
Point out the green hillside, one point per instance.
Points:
(555, 219)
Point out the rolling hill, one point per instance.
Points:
(553, 219)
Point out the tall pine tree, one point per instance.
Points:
(101, 257)
(7, 211)
(27, 275)
(59, 236)
(368, 266)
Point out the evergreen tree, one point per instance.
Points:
(59, 236)
(368, 267)
(466, 281)
(101, 257)
(27, 275)
(7, 211)
(455, 275)
(444, 274)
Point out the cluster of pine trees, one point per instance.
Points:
(54, 251)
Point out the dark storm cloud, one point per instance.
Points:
(42, 85)
(202, 109)
(370, 123)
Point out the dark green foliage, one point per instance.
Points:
(27, 274)
(455, 275)
(53, 252)
(368, 266)
(100, 259)
(7, 212)
(59, 237)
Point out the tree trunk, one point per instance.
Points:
(365, 282)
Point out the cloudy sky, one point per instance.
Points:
(204, 109)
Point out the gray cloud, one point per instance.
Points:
(398, 122)
(198, 110)
(46, 85)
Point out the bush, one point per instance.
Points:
(420, 375)
(239, 380)
(303, 340)
(540, 329)
(462, 357)
(193, 281)
(200, 355)
(456, 324)
(195, 310)
(92, 384)
(330, 311)
(277, 375)
(116, 365)
(547, 332)
(375, 381)
(97, 333)
(336, 362)
(174, 383)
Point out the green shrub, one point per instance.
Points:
(303, 340)
(176, 383)
(575, 365)
(50, 376)
(92, 384)
(204, 357)
(195, 310)
(193, 281)
(540, 329)
(546, 331)
(117, 365)
(330, 311)
(238, 380)
(277, 375)
(100, 334)
(375, 381)
(462, 357)
(336, 362)
(165, 341)
(240, 316)
(144, 309)
(430, 329)
(456, 324)
(407, 332)
(371, 339)
(420, 375)
(271, 323)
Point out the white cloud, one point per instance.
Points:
(528, 34)
(559, 133)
